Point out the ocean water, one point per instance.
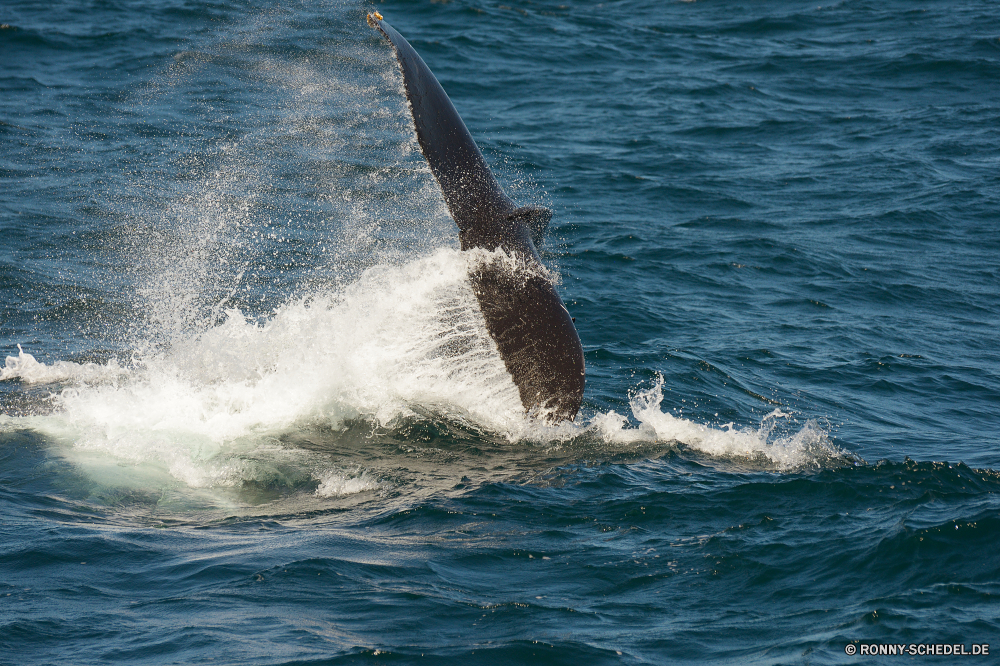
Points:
(249, 412)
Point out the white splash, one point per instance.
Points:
(210, 410)
(336, 483)
(397, 343)
(27, 369)
(808, 446)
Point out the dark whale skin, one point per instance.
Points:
(524, 315)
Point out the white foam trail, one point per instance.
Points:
(27, 369)
(809, 446)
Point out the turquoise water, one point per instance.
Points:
(249, 412)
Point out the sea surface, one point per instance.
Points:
(249, 412)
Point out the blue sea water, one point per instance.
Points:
(249, 412)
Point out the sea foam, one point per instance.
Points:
(399, 342)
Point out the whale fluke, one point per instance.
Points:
(524, 315)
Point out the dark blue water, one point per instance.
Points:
(255, 416)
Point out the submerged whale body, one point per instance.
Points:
(524, 315)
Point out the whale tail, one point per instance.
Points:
(524, 315)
